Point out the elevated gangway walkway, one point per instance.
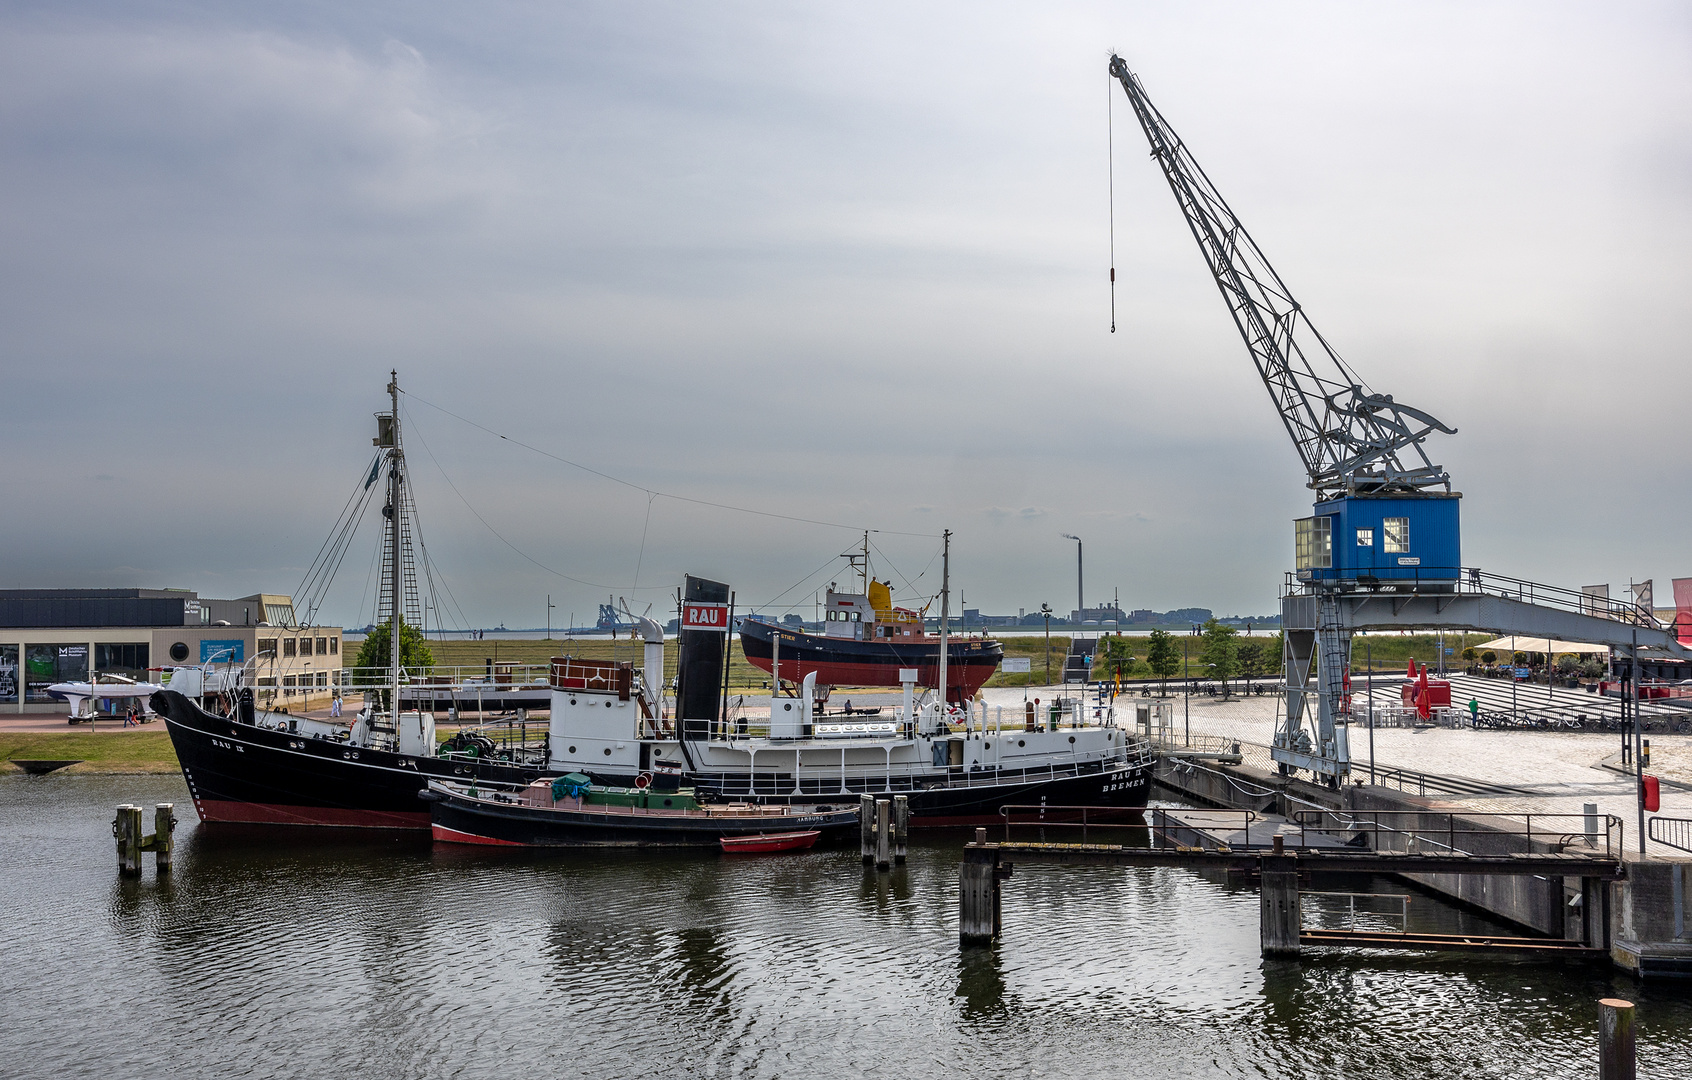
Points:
(1282, 852)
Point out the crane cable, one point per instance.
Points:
(1110, 173)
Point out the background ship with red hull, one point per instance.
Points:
(867, 641)
(876, 662)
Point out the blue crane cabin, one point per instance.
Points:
(1380, 539)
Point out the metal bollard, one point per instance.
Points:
(1615, 1040)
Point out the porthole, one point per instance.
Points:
(656, 752)
(607, 751)
(1072, 738)
(607, 704)
(988, 745)
(179, 651)
(572, 749)
(1022, 742)
(572, 701)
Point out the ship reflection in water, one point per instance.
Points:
(319, 953)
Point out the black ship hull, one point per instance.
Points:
(457, 818)
(243, 772)
(1122, 788)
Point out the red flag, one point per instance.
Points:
(1423, 696)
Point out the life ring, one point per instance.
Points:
(643, 781)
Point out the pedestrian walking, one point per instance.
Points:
(335, 706)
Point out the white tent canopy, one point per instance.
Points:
(1508, 645)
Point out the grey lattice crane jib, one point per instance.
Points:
(1351, 440)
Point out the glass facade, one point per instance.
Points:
(48, 664)
(126, 658)
(9, 674)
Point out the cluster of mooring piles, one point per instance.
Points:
(131, 841)
(884, 828)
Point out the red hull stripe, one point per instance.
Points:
(453, 836)
(276, 814)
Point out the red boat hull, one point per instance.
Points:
(754, 845)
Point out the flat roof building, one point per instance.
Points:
(78, 635)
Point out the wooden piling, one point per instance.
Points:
(866, 827)
(1615, 1040)
(1279, 908)
(980, 918)
(883, 834)
(164, 835)
(901, 826)
(127, 828)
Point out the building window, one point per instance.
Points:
(289, 646)
(126, 658)
(1395, 533)
(322, 678)
(1313, 543)
(334, 646)
(267, 645)
(323, 646)
(48, 664)
(1366, 538)
(267, 680)
(9, 673)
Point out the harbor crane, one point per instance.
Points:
(1382, 548)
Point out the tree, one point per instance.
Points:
(1489, 657)
(1469, 654)
(1118, 656)
(373, 654)
(1249, 653)
(1221, 653)
(1162, 657)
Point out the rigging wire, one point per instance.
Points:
(1110, 173)
(649, 491)
(802, 581)
(496, 532)
(642, 556)
(321, 573)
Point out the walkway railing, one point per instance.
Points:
(1674, 832)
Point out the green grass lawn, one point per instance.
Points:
(99, 751)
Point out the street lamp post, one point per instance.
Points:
(1046, 610)
(549, 606)
(1080, 605)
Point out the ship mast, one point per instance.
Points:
(396, 459)
(945, 610)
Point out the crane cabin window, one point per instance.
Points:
(1395, 535)
(1313, 543)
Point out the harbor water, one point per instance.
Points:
(278, 953)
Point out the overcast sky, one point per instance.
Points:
(843, 262)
